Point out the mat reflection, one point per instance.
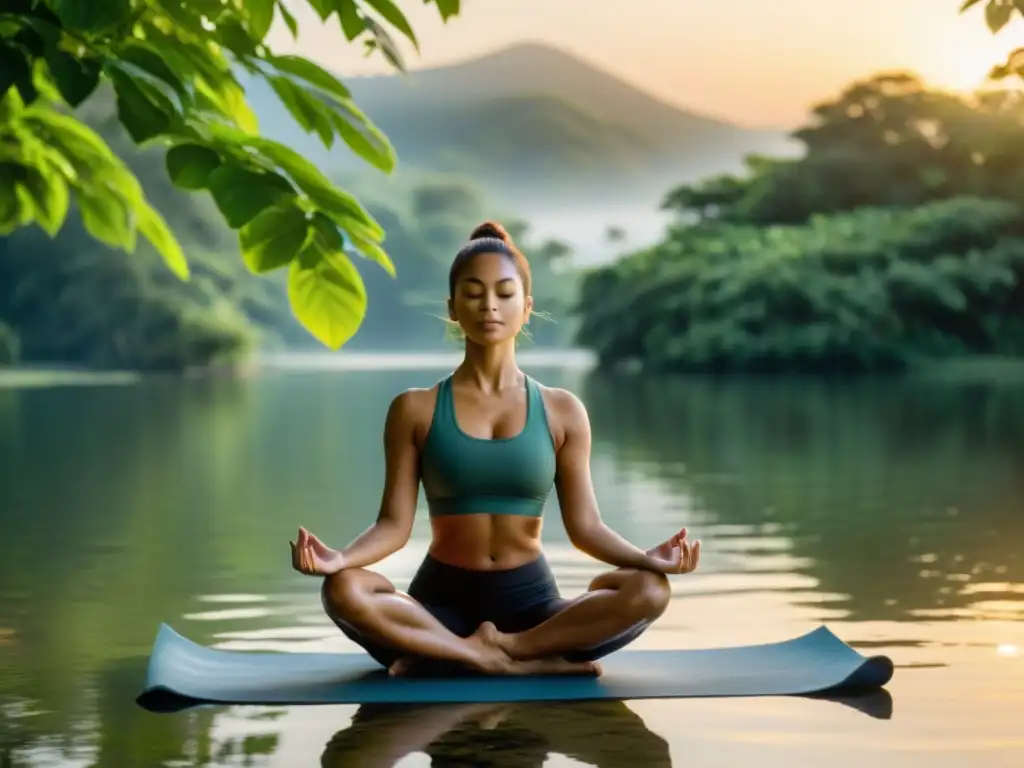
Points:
(604, 734)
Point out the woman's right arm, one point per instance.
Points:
(393, 527)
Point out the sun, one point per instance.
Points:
(964, 64)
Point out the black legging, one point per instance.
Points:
(515, 599)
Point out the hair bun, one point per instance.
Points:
(491, 229)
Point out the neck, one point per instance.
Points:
(491, 368)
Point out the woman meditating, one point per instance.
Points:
(489, 443)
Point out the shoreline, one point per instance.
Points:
(962, 370)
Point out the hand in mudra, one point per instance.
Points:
(312, 557)
(676, 555)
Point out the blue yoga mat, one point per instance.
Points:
(183, 673)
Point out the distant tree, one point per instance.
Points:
(445, 198)
(884, 141)
(173, 66)
(615, 234)
(9, 346)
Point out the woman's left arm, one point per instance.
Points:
(580, 513)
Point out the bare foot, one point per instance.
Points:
(402, 667)
(496, 660)
(488, 634)
(490, 657)
(556, 665)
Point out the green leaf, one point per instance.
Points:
(228, 98)
(13, 214)
(190, 165)
(372, 251)
(362, 136)
(312, 73)
(16, 70)
(385, 43)
(241, 194)
(261, 16)
(143, 110)
(326, 233)
(236, 38)
(289, 20)
(50, 198)
(74, 137)
(968, 4)
(189, 56)
(327, 295)
(395, 18)
(352, 23)
(448, 8)
(91, 15)
(324, 8)
(997, 14)
(273, 238)
(334, 202)
(75, 78)
(149, 60)
(155, 230)
(307, 111)
(107, 218)
(183, 17)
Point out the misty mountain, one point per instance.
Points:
(533, 125)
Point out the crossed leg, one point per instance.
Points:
(395, 628)
(617, 607)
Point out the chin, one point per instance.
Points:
(491, 338)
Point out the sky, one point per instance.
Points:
(755, 62)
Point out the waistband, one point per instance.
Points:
(509, 589)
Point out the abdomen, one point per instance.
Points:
(484, 541)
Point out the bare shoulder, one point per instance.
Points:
(567, 415)
(412, 410)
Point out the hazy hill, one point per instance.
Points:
(534, 124)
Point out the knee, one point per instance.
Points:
(344, 593)
(649, 593)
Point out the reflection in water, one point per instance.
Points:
(605, 734)
(890, 507)
(902, 501)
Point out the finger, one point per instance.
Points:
(689, 557)
(308, 561)
(696, 554)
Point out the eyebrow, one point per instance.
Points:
(478, 281)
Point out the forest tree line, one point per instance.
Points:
(895, 238)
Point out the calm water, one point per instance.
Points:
(892, 512)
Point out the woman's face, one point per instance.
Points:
(490, 304)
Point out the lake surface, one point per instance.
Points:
(892, 511)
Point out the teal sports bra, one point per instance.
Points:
(463, 475)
